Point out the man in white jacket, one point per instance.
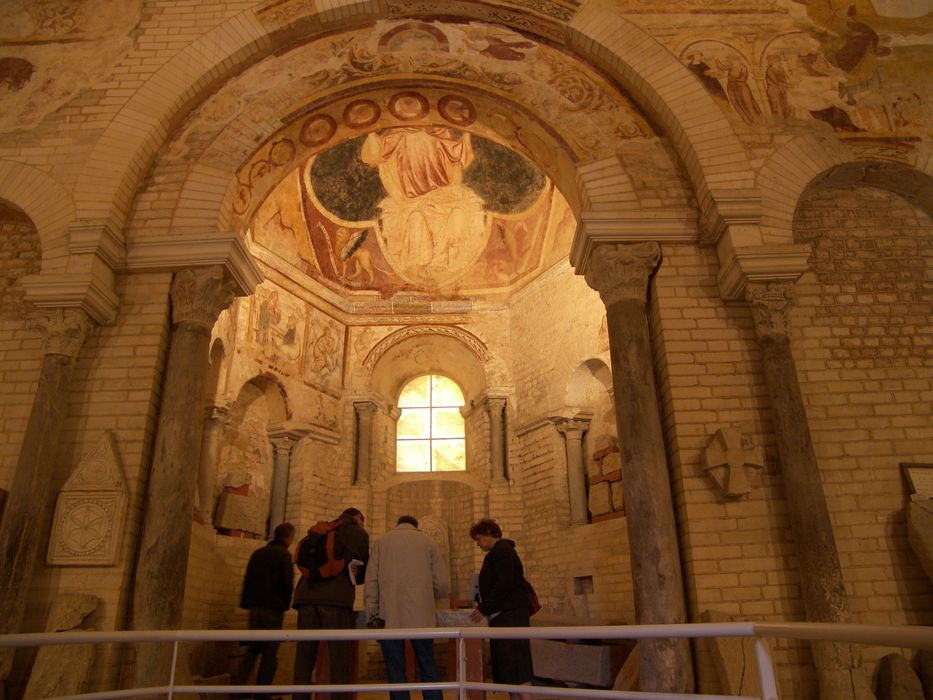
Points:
(405, 575)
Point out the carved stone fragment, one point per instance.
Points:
(728, 457)
(62, 670)
(89, 514)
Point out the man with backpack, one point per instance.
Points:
(325, 592)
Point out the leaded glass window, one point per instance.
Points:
(430, 428)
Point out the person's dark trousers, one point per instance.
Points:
(393, 652)
(267, 652)
(323, 617)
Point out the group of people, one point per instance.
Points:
(403, 575)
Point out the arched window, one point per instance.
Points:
(430, 427)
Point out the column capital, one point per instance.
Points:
(200, 294)
(571, 427)
(770, 304)
(64, 330)
(365, 408)
(216, 412)
(283, 444)
(621, 271)
(494, 404)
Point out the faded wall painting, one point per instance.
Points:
(475, 77)
(414, 209)
(324, 355)
(287, 337)
(52, 49)
(862, 70)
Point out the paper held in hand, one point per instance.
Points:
(354, 565)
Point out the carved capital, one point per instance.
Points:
(495, 406)
(63, 330)
(572, 428)
(365, 408)
(621, 271)
(283, 445)
(770, 305)
(200, 294)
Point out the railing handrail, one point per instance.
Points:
(913, 636)
(909, 636)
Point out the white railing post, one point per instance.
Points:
(461, 666)
(765, 670)
(171, 673)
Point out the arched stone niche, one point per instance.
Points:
(245, 456)
(430, 349)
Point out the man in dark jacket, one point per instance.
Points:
(328, 604)
(267, 592)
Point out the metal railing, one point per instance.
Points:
(906, 636)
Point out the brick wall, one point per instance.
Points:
(863, 341)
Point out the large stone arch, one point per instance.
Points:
(47, 203)
(454, 352)
(808, 161)
(700, 133)
(123, 156)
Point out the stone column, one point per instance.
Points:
(495, 407)
(821, 580)
(620, 272)
(64, 332)
(198, 296)
(573, 431)
(282, 463)
(365, 414)
(207, 474)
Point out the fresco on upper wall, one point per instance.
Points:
(52, 49)
(291, 339)
(426, 209)
(863, 71)
(486, 78)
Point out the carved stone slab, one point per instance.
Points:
(727, 458)
(61, 670)
(90, 510)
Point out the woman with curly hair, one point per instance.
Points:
(503, 598)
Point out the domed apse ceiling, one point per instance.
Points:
(427, 209)
(410, 157)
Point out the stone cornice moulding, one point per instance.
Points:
(741, 209)
(86, 291)
(598, 227)
(747, 264)
(99, 240)
(552, 418)
(297, 430)
(171, 253)
(379, 404)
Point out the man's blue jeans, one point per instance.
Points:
(393, 651)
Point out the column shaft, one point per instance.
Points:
(365, 415)
(495, 407)
(620, 274)
(821, 579)
(282, 456)
(198, 296)
(30, 493)
(576, 470)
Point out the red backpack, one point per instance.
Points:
(319, 556)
